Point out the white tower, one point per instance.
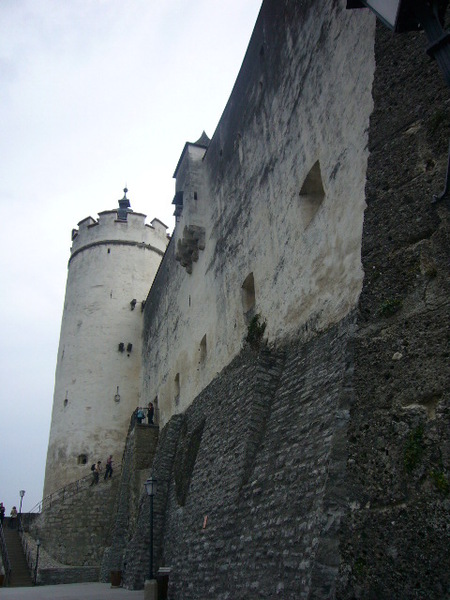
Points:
(97, 382)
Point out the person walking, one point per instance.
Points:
(109, 469)
(13, 517)
(150, 413)
(96, 472)
(2, 513)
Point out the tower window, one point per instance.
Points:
(203, 349)
(156, 407)
(177, 389)
(248, 294)
(311, 194)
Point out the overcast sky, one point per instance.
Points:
(94, 94)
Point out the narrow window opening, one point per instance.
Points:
(109, 250)
(156, 407)
(248, 296)
(195, 196)
(203, 349)
(82, 459)
(311, 194)
(177, 389)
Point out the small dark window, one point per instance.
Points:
(203, 349)
(82, 459)
(155, 405)
(121, 347)
(129, 347)
(109, 250)
(248, 293)
(177, 389)
(195, 196)
(311, 194)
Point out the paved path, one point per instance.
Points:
(71, 591)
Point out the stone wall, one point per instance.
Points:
(138, 457)
(60, 575)
(341, 490)
(252, 503)
(395, 540)
(75, 531)
(280, 196)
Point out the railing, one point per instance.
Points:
(30, 554)
(5, 557)
(65, 492)
(76, 486)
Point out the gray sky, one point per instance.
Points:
(94, 94)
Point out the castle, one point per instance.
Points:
(294, 338)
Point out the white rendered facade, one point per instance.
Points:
(97, 381)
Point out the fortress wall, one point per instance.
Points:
(259, 454)
(395, 538)
(301, 99)
(76, 531)
(348, 496)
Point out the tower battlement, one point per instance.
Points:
(108, 228)
(119, 226)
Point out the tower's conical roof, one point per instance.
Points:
(203, 140)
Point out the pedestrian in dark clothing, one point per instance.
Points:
(96, 473)
(150, 413)
(2, 513)
(109, 469)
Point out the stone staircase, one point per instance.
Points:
(20, 574)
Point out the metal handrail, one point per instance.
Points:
(26, 550)
(66, 491)
(73, 488)
(5, 557)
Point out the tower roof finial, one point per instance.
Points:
(124, 206)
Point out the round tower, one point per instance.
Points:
(97, 383)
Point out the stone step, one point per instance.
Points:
(20, 574)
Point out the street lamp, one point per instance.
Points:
(151, 588)
(38, 544)
(22, 494)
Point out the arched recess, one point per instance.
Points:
(177, 389)
(203, 350)
(311, 194)
(248, 296)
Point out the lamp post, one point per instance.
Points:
(150, 588)
(38, 544)
(22, 494)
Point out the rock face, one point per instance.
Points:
(395, 536)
